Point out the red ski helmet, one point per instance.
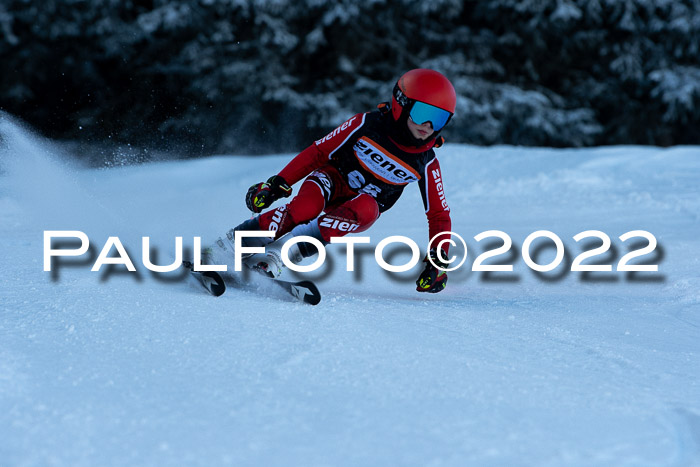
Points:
(429, 87)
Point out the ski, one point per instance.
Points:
(305, 291)
(215, 284)
(210, 280)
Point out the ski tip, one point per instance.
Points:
(315, 300)
(307, 292)
(214, 283)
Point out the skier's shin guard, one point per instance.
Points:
(248, 225)
(305, 206)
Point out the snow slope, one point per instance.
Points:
(116, 368)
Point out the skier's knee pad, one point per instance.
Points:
(366, 209)
(355, 215)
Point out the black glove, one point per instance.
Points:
(432, 279)
(262, 195)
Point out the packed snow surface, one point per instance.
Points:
(114, 368)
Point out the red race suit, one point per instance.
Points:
(355, 173)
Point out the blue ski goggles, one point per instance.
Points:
(422, 112)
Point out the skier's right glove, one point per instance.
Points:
(432, 279)
(262, 195)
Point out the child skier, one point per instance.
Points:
(357, 172)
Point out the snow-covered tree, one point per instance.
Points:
(202, 76)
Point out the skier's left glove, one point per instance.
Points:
(432, 279)
(262, 195)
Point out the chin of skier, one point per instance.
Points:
(357, 172)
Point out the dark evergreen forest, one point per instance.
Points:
(256, 76)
